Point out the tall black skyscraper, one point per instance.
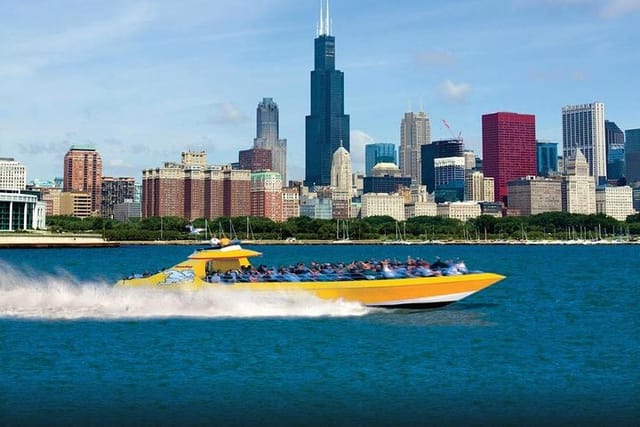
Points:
(327, 127)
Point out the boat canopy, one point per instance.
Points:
(225, 253)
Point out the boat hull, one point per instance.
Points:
(413, 292)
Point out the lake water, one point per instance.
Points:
(556, 343)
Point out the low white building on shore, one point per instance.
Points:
(381, 204)
(616, 202)
(459, 210)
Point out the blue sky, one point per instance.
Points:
(143, 81)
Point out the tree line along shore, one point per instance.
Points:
(550, 226)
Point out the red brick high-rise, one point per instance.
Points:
(190, 193)
(163, 191)
(255, 159)
(83, 172)
(508, 149)
(192, 190)
(194, 201)
(266, 195)
(213, 193)
(236, 188)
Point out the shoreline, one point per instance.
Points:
(43, 241)
(51, 241)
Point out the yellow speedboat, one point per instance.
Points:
(196, 273)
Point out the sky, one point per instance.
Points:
(142, 81)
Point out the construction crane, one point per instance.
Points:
(459, 138)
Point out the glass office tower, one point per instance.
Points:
(546, 158)
(380, 152)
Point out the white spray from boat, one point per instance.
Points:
(61, 296)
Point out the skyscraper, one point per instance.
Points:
(341, 184)
(268, 136)
(583, 128)
(449, 179)
(437, 150)
(508, 148)
(547, 158)
(341, 171)
(255, 159)
(632, 155)
(83, 172)
(415, 131)
(614, 140)
(578, 186)
(327, 127)
(381, 152)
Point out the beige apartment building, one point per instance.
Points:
(616, 202)
(479, 188)
(76, 203)
(459, 210)
(534, 195)
(379, 204)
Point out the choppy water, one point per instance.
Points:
(557, 342)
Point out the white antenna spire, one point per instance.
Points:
(321, 24)
(328, 20)
(324, 26)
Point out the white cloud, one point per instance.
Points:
(454, 92)
(358, 139)
(227, 113)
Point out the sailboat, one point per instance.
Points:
(161, 229)
(223, 235)
(342, 233)
(206, 232)
(250, 236)
(401, 236)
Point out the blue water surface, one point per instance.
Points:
(556, 343)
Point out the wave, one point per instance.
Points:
(31, 295)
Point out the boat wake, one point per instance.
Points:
(61, 296)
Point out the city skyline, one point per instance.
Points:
(138, 77)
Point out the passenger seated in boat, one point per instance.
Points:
(439, 264)
(229, 277)
(213, 277)
(461, 267)
(425, 271)
(355, 270)
(388, 273)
